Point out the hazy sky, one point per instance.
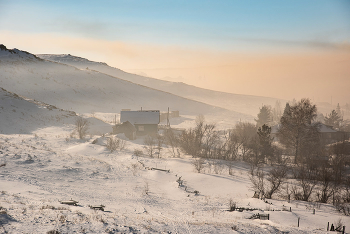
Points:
(281, 49)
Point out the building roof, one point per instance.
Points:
(326, 128)
(321, 128)
(140, 117)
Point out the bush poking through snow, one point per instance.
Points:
(135, 167)
(146, 189)
(138, 152)
(199, 164)
(150, 145)
(232, 205)
(53, 232)
(112, 144)
(81, 127)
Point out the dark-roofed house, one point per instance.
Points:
(145, 121)
(330, 135)
(327, 133)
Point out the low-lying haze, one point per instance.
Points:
(278, 49)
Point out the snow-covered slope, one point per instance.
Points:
(87, 91)
(19, 115)
(247, 104)
(44, 168)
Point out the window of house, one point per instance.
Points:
(141, 128)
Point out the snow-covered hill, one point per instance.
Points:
(247, 104)
(87, 91)
(40, 169)
(41, 165)
(20, 116)
(24, 116)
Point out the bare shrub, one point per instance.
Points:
(159, 144)
(53, 232)
(325, 176)
(306, 181)
(232, 205)
(122, 144)
(267, 184)
(171, 141)
(138, 152)
(218, 167)
(112, 144)
(343, 208)
(81, 127)
(276, 177)
(199, 164)
(150, 145)
(146, 188)
(48, 207)
(135, 167)
(230, 169)
(257, 177)
(62, 218)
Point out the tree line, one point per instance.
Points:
(316, 169)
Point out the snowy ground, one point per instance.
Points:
(46, 166)
(42, 163)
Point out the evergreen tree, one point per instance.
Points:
(286, 109)
(333, 119)
(296, 130)
(277, 112)
(265, 143)
(338, 110)
(264, 116)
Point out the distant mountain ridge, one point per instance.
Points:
(247, 104)
(15, 54)
(88, 91)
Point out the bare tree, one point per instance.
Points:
(159, 144)
(210, 140)
(267, 184)
(306, 181)
(81, 127)
(150, 145)
(245, 132)
(199, 164)
(276, 177)
(325, 176)
(257, 177)
(231, 146)
(200, 141)
(171, 141)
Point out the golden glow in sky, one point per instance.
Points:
(278, 49)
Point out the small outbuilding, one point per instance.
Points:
(127, 128)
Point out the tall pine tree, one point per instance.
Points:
(297, 129)
(333, 119)
(264, 116)
(265, 143)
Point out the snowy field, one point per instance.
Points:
(47, 166)
(43, 163)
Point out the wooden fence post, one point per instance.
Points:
(268, 218)
(298, 221)
(328, 227)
